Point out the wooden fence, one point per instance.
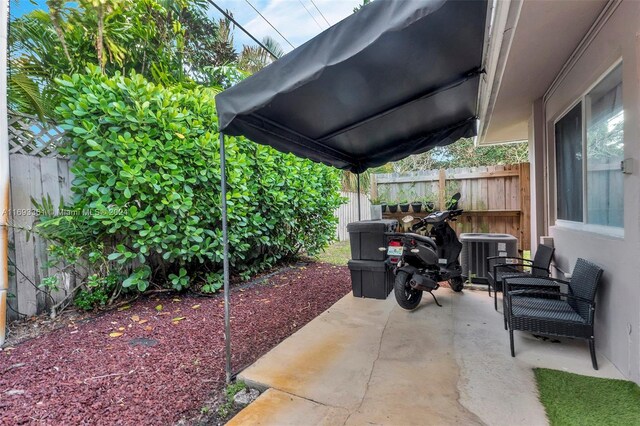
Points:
(28, 135)
(33, 178)
(496, 199)
(37, 173)
(348, 213)
(37, 178)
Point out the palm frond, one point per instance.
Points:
(24, 95)
(273, 46)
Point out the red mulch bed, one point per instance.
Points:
(80, 374)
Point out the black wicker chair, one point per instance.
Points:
(571, 315)
(498, 269)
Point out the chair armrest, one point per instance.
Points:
(509, 257)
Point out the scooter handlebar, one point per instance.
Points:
(417, 226)
(425, 220)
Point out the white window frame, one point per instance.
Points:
(610, 231)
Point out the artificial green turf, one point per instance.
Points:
(572, 399)
(337, 253)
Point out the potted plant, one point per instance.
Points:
(416, 205)
(429, 203)
(404, 205)
(384, 196)
(376, 208)
(402, 201)
(429, 206)
(392, 206)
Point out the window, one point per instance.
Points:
(605, 150)
(569, 165)
(591, 190)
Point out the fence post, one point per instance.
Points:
(442, 181)
(374, 186)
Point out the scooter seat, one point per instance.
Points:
(437, 217)
(422, 239)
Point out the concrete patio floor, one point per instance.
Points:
(368, 361)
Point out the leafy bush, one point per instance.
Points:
(97, 292)
(147, 178)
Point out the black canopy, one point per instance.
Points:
(395, 79)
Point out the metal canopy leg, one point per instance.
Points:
(359, 212)
(225, 262)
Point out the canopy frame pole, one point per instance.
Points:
(225, 261)
(359, 212)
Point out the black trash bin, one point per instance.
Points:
(372, 279)
(367, 236)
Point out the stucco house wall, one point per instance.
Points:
(618, 302)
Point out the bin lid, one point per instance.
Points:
(481, 237)
(368, 265)
(372, 225)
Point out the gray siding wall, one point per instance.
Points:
(618, 309)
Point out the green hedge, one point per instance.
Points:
(146, 162)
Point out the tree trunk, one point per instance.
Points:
(54, 11)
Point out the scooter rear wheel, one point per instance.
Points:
(406, 297)
(457, 284)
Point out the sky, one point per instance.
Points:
(290, 17)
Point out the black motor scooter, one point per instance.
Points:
(421, 262)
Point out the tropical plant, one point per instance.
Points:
(167, 41)
(361, 5)
(350, 180)
(34, 52)
(464, 153)
(254, 58)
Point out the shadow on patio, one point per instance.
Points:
(369, 361)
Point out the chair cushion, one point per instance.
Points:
(549, 309)
(525, 281)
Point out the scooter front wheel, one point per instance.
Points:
(406, 297)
